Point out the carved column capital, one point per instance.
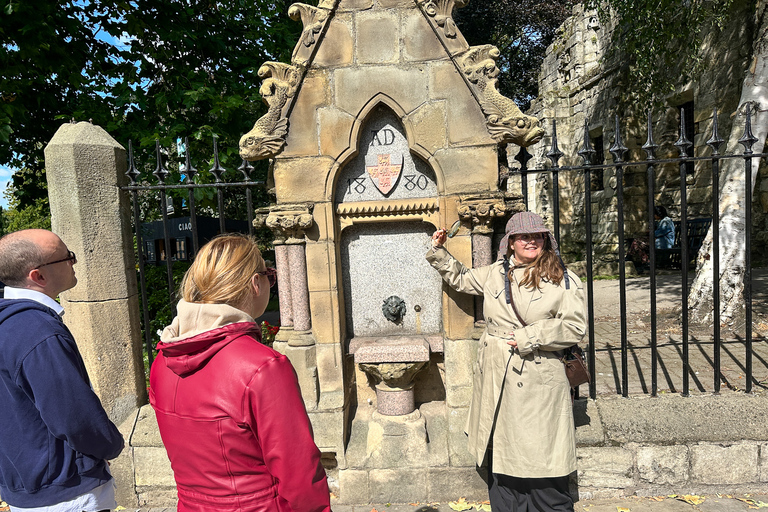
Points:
(480, 210)
(290, 222)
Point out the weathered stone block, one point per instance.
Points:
(84, 165)
(468, 169)
(448, 484)
(328, 428)
(397, 486)
(338, 47)
(419, 40)
(465, 119)
(321, 260)
(586, 415)
(335, 130)
(146, 432)
(724, 463)
(105, 334)
(429, 126)
(764, 462)
(457, 439)
(324, 306)
(663, 465)
(605, 467)
(157, 497)
(436, 416)
(314, 93)
(458, 308)
(378, 34)
(354, 5)
(353, 88)
(329, 367)
(152, 467)
(353, 486)
(304, 362)
(123, 469)
(301, 180)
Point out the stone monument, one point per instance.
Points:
(385, 126)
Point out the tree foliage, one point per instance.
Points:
(653, 37)
(142, 69)
(521, 30)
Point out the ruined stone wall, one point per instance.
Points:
(580, 82)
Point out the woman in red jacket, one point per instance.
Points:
(229, 408)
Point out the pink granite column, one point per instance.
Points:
(481, 257)
(297, 263)
(284, 285)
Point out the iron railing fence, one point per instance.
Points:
(189, 173)
(652, 164)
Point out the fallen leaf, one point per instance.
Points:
(622, 509)
(119, 508)
(374, 510)
(754, 503)
(658, 498)
(460, 505)
(414, 504)
(485, 507)
(692, 499)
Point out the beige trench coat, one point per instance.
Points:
(533, 433)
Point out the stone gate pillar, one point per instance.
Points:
(84, 168)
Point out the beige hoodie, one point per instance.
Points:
(194, 318)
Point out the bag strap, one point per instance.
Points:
(508, 292)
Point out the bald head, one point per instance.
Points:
(22, 252)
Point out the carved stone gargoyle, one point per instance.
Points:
(267, 137)
(505, 121)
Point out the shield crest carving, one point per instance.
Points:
(385, 173)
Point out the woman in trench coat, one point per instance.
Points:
(520, 417)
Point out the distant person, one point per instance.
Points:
(665, 228)
(520, 416)
(55, 438)
(229, 408)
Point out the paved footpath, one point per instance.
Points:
(713, 503)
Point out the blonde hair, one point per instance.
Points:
(222, 271)
(546, 265)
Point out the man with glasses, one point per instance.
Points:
(55, 437)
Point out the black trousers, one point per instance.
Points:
(511, 494)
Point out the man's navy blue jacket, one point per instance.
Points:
(54, 434)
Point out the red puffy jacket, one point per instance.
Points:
(234, 424)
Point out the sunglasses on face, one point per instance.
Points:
(70, 257)
(271, 274)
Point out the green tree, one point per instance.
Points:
(521, 30)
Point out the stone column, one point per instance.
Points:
(290, 222)
(480, 210)
(84, 168)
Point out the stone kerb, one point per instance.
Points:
(84, 167)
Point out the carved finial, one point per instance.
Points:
(506, 123)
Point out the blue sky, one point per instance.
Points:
(5, 178)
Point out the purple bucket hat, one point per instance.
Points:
(524, 222)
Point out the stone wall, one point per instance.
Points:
(579, 83)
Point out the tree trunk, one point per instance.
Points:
(732, 194)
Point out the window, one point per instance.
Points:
(598, 159)
(149, 250)
(181, 249)
(690, 131)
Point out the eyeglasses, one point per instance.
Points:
(70, 257)
(271, 275)
(530, 237)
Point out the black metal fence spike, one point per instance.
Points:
(747, 140)
(554, 154)
(188, 171)
(132, 171)
(650, 146)
(246, 168)
(160, 170)
(586, 152)
(217, 170)
(618, 150)
(683, 143)
(715, 141)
